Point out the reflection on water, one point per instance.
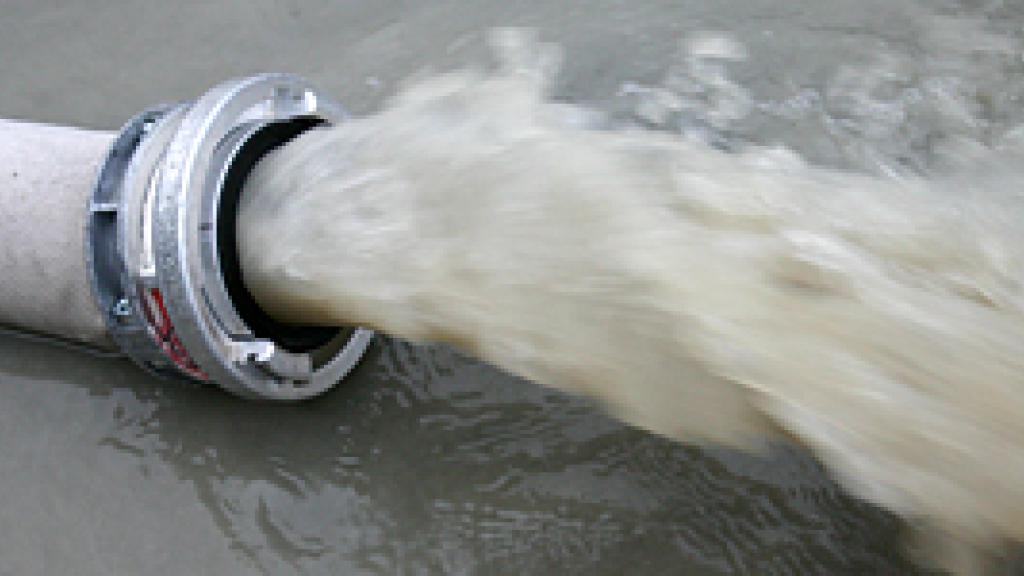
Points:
(424, 462)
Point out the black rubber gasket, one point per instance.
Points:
(293, 338)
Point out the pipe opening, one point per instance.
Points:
(294, 338)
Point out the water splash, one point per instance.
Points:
(706, 295)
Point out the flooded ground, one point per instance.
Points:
(424, 461)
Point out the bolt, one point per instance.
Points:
(122, 308)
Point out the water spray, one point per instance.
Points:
(142, 259)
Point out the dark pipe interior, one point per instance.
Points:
(290, 337)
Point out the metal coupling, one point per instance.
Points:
(162, 247)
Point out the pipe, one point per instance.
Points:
(47, 175)
(127, 241)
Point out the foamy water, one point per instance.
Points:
(727, 297)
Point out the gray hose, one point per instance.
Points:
(47, 174)
(142, 261)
